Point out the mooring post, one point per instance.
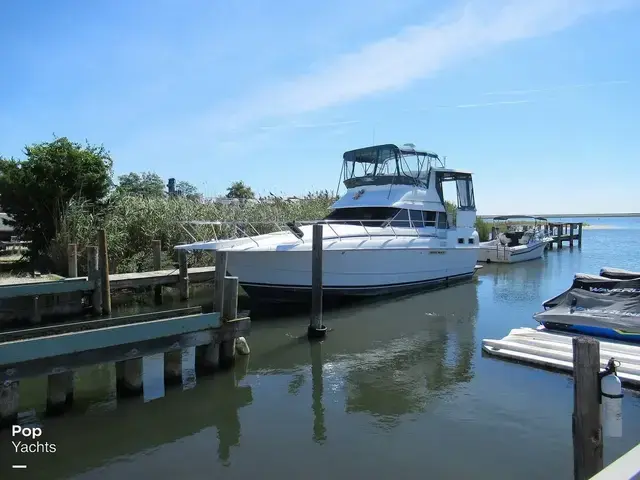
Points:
(156, 245)
(72, 260)
(221, 273)
(571, 235)
(560, 234)
(229, 312)
(580, 235)
(183, 280)
(587, 427)
(93, 275)
(103, 264)
(316, 328)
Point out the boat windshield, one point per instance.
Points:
(388, 164)
(367, 216)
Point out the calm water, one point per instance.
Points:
(398, 388)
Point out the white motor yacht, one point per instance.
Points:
(388, 233)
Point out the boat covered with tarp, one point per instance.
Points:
(596, 305)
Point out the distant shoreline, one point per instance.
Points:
(569, 215)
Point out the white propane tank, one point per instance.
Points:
(611, 387)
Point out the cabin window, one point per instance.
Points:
(401, 219)
(466, 200)
(471, 241)
(443, 224)
(367, 216)
(429, 218)
(416, 218)
(461, 240)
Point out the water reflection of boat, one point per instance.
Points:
(597, 305)
(93, 444)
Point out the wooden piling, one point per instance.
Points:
(316, 328)
(93, 272)
(72, 260)
(104, 271)
(183, 270)
(156, 245)
(36, 314)
(587, 428)
(221, 273)
(571, 235)
(230, 299)
(580, 235)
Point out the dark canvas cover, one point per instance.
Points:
(619, 273)
(597, 303)
(593, 283)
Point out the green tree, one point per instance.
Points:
(146, 184)
(187, 190)
(240, 190)
(35, 192)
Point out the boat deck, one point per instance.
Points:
(554, 350)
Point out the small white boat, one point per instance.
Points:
(389, 233)
(519, 243)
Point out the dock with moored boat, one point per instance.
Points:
(565, 232)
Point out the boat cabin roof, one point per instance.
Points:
(380, 153)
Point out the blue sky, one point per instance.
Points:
(538, 98)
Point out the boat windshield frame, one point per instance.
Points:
(508, 219)
(388, 164)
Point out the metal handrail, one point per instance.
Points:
(281, 227)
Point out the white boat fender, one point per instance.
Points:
(611, 399)
(242, 346)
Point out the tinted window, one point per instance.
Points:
(370, 216)
(429, 218)
(442, 220)
(416, 218)
(401, 219)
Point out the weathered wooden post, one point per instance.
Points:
(221, 273)
(587, 428)
(105, 284)
(156, 245)
(580, 235)
(212, 353)
(560, 234)
(72, 260)
(316, 329)
(229, 312)
(183, 280)
(93, 275)
(571, 235)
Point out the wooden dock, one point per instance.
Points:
(130, 341)
(565, 232)
(34, 299)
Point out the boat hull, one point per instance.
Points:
(611, 333)
(489, 252)
(285, 276)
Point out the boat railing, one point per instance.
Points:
(229, 230)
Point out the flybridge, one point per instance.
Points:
(388, 164)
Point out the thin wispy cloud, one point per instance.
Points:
(416, 53)
(308, 125)
(490, 104)
(575, 86)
